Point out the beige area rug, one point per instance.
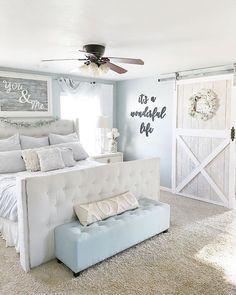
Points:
(197, 256)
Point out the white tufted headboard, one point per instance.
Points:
(58, 126)
(45, 202)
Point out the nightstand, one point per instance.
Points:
(108, 157)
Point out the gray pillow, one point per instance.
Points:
(50, 159)
(11, 162)
(57, 138)
(10, 144)
(68, 157)
(29, 142)
(78, 151)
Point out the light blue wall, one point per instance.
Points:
(131, 142)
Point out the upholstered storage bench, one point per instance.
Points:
(79, 247)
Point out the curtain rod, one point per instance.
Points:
(228, 69)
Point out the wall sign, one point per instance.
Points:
(150, 111)
(24, 95)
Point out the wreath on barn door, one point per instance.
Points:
(204, 104)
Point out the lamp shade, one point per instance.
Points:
(102, 122)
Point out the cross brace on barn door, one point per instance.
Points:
(200, 168)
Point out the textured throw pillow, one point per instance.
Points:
(67, 156)
(50, 159)
(11, 162)
(29, 142)
(10, 144)
(31, 160)
(92, 212)
(57, 138)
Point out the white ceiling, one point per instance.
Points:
(168, 35)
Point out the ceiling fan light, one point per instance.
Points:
(84, 68)
(93, 68)
(104, 68)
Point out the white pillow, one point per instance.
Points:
(50, 159)
(29, 142)
(92, 212)
(10, 144)
(57, 138)
(67, 156)
(31, 160)
(11, 162)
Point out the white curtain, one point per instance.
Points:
(86, 101)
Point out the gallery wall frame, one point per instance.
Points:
(25, 95)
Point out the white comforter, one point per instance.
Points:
(8, 203)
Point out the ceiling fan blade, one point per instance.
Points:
(64, 59)
(126, 60)
(116, 68)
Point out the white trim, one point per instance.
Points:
(166, 189)
(173, 176)
(16, 114)
(205, 79)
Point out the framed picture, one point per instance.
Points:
(25, 95)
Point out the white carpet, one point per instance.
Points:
(197, 256)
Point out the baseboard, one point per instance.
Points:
(166, 189)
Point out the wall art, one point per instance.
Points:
(25, 95)
(150, 111)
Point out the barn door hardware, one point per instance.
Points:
(232, 133)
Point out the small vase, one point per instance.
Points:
(112, 146)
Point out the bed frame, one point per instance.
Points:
(46, 201)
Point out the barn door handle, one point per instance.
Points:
(232, 133)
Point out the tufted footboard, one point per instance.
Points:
(45, 202)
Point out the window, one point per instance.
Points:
(87, 105)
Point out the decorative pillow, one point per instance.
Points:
(50, 159)
(67, 156)
(31, 160)
(79, 152)
(29, 142)
(11, 162)
(10, 144)
(57, 138)
(92, 212)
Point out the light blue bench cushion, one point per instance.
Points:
(79, 247)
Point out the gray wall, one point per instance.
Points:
(131, 142)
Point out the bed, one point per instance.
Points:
(33, 204)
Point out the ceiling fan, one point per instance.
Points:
(95, 62)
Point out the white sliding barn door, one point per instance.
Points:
(203, 152)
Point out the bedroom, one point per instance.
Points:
(142, 122)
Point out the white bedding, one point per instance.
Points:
(8, 203)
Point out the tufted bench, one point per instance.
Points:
(79, 247)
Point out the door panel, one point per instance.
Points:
(203, 149)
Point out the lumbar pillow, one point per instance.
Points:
(92, 212)
(29, 142)
(67, 156)
(57, 138)
(10, 144)
(11, 162)
(50, 159)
